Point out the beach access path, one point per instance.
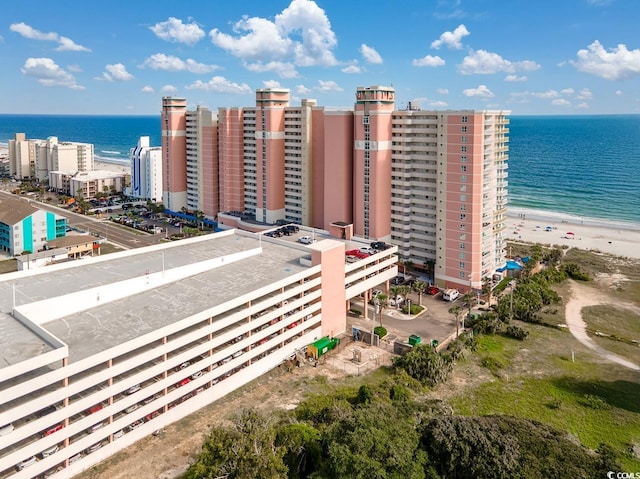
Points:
(582, 297)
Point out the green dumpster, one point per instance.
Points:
(434, 343)
(413, 340)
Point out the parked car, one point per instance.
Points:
(26, 463)
(118, 434)
(6, 429)
(131, 408)
(45, 411)
(133, 389)
(306, 240)
(367, 250)
(379, 245)
(95, 427)
(94, 447)
(184, 365)
(397, 301)
(397, 280)
(433, 290)
(184, 382)
(50, 451)
(135, 424)
(196, 375)
(52, 429)
(75, 458)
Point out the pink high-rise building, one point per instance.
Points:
(431, 182)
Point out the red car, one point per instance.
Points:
(183, 382)
(433, 290)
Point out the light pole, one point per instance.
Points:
(376, 303)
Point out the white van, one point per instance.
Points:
(450, 294)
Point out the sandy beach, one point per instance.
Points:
(113, 167)
(555, 229)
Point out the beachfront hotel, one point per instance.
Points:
(99, 353)
(432, 182)
(146, 171)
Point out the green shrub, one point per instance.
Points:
(380, 331)
(594, 402)
(355, 311)
(492, 364)
(415, 309)
(516, 332)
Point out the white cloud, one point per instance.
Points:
(438, 104)
(546, 94)
(221, 85)
(66, 44)
(352, 69)
(484, 62)
(168, 89)
(116, 72)
(370, 54)
(271, 84)
(451, 39)
(160, 61)
(616, 64)
(515, 78)
(582, 106)
(328, 86)
(262, 40)
(74, 68)
(481, 91)
(619, 93)
(560, 102)
(567, 91)
(443, 91)
(584, 94)
(428, 61)
(173, 30)
(302, 90)
(283, 69)
(48, 73)
(147, 89)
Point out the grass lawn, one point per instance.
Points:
(536, 379)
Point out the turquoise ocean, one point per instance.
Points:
(580, 168)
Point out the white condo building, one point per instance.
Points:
(36, 158)
(146, 171)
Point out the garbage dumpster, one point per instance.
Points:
(434, 343)
(413, 340)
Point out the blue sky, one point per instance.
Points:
(116, 57)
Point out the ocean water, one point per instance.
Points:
(571, 167)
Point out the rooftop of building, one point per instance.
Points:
(198, 285)
(13, 210)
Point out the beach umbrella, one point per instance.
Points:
(570, 233)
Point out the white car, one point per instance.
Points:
(131, 408)
(50, 451)
(450, 294)
(6, 429)
(94, 448)
(95, 427)
(367, 250)
(196, 375)
(118, 434)
(133, 389)
(306, 240)
(397, 301)
(26, 463)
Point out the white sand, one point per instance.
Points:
(616, 238)
(114, 167)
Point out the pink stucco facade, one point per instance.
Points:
(231, 157)
(210, 170)
(173, 120)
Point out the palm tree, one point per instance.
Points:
(468, 298)
(419, 287)
(404, 291)
(487, 288)
(456, 311)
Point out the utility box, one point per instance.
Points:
(413, 340)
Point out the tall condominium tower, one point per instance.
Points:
(372, 162)
(146, 171)
(431, 182)
(449, 192)
(174, 149)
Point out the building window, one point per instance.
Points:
(463, 217)
(463, 149)
(464, 119)
(463, 207)
(463, 197)
(461, 255)
(463, 187)
(464, 129)
(463, 139)
(463, 168)
(463, 226)
(463, 159)
(462, 246)
(462, 264)
(463, 274)
(463, 236)
(463, 178)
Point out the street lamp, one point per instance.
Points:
(376, 303)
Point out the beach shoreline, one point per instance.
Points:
(557, 230)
